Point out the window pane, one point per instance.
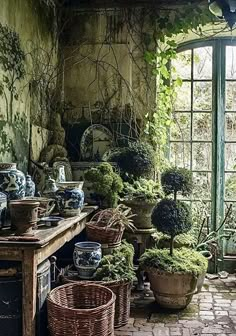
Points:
(183, 99)
(230, 62)
(182, 65)
(230, 99)
(230, 126)
(202, 156)
(202, 128)
(180, 154)
(202, 186)
(202, 68)
(202, 96)
(230, 156)
(231, 219)
(230, 186)
(181, 127)
(200, 210)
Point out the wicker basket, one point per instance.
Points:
(103, 235)
(122, 290)
(81, 310)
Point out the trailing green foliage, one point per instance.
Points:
(118, 266)
(169, 24)
(106, 183)
(183, 261)
(137, 160)
(12, 62)
(172, 217)
(177, 179)
(142, 190)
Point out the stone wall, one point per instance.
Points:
(27, 129)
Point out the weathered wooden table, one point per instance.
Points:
(31, 254)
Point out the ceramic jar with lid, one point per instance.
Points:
(30, 186)
(12, 181)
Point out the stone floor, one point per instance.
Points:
(211, 312)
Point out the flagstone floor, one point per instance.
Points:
(212, 312)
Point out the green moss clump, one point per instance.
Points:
(106, 183)
(183, 261)
(183, 240)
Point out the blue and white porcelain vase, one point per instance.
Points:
(12, 181)
(3, 209)
(70, 197)
(87, 256)
(30, 186)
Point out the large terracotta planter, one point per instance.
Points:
(173, 290)
(143, 211)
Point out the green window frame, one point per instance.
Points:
(218, 112)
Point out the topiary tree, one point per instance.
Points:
(137, 159)
(106, 183)
(170, 216)
(176, 179)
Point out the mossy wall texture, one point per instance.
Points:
(35, 29)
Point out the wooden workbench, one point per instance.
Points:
(31, 254)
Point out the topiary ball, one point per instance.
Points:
(177, 179)
(172, 217)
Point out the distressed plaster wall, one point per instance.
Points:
(29, 20)
(106, 78)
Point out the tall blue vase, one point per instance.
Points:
(12, 181)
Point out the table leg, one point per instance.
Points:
(29, 273)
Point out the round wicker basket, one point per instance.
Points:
(122, 290)
(103, 235)
(81, 309)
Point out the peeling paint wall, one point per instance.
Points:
(105, 67)
(35, 29)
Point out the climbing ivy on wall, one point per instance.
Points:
(167, 26)
(12, 63)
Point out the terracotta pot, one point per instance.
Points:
(143, 211)
(46, 205)
(173, 290)
(24, 215)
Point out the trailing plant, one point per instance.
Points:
(106, 183)
(142, 190)
(117, 218)
(176, 179)
(135, 161)
(12, 62)
(183, 261)
(168, 25)
(118, 266)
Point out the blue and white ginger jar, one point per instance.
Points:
(70, 197)
(87, 256)
(12, 181)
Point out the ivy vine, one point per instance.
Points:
(168, 25)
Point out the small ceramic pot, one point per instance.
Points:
(46, 205)
(24, 216)
(12, 181)
(87, 256)
(30, 186)
(70, 197)
(3, 209)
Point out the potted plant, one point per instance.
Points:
(174, 273)
(107, 226)
(141, 196)
(117, 273)
(106, 183)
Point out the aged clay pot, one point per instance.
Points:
(173, 290)
(143, 211)
(24, 215)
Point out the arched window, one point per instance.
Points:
(203, 135)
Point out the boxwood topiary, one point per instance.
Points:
(176, 179)
(136, 160)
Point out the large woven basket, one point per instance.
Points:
(80, 309)
(122, 290)
(103, 235)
